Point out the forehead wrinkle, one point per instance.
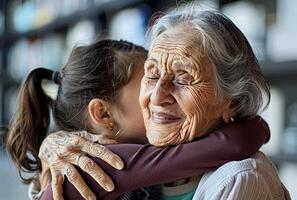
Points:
(165, 66)
(161, 61)
(192, 64)
(202, 63)
(175, 50)
(170, 48)
(181, 51)
(206, 67)
(197, 63)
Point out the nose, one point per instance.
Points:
(162, 93)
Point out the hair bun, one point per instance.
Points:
(56, 78)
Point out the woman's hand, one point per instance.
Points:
(61, 150)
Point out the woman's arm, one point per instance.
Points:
(148, 165)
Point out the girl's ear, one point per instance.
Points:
(99, 112)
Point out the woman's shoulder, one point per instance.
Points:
(258, 162)
(248, 178)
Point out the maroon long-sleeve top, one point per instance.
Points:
(147, 165)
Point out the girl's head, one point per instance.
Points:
(98, 92)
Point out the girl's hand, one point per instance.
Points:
(61, 150)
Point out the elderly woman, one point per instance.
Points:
(201, 73)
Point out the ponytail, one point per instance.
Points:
(30, 124)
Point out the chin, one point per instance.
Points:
(160, 140)
(155, 143)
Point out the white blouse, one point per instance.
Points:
(254, 178)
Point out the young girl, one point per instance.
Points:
(98, 92)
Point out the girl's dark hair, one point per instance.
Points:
(98, 70)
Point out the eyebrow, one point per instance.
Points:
(151, 60)
(178, 65)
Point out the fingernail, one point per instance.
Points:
(91, 197)
(109, 187)
(119, 165)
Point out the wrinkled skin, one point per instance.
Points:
(62, 149)
(179, 96)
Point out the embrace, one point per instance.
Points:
(194, 97)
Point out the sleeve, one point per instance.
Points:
(148, 165)
(246, 186)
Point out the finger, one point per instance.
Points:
(90, 167)
(86, 135)
(74, 177)
(96, 150)
(103, 153)
(96, 172)
(102, 139)
(57, 183)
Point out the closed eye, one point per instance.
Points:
(152, 76)
(182, 82)
(184, 78)
(151, 72)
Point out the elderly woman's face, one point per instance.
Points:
(179, 96)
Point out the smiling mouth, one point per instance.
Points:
(163, 118)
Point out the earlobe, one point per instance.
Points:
(228, 113)
(225, 117)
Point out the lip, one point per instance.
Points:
(163, 118)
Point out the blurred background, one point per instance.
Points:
(35, 33)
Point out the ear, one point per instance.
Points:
(228, 111)
(99, 112)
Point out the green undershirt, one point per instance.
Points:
(183, 189)
(185, 196)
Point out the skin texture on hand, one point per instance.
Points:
(61, 150)
(179, 95)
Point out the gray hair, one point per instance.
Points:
(236, 68)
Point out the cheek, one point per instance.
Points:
(133, 118)
(138, 118)
(144, 96)
(195, 100)
(130, 121)
(192, 104)
(134, 126)
(197, 103)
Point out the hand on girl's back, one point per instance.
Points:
(61, 150)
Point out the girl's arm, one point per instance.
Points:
(148, 165)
